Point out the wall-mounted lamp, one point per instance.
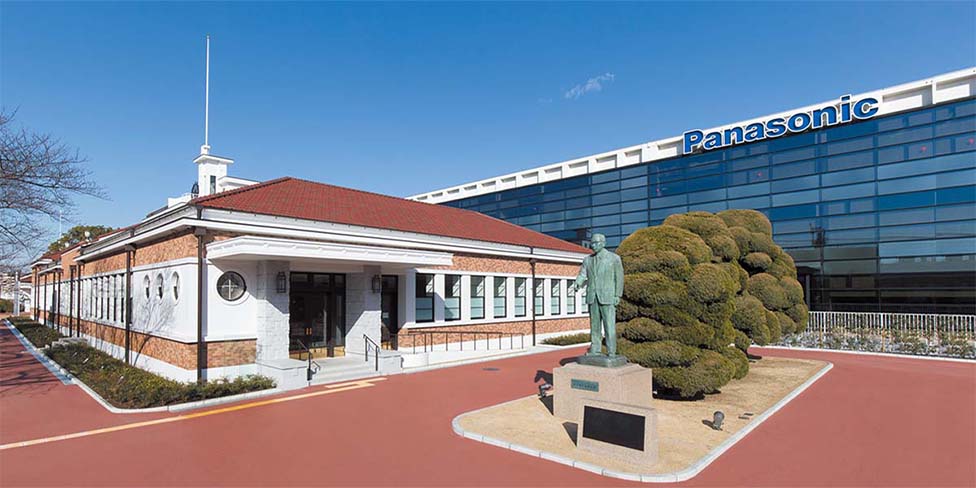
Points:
(377, 284)
(282, 282)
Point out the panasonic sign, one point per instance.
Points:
(843, 112)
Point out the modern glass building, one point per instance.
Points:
(879, 214)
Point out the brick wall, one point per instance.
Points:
(493, 264)
(182, 354)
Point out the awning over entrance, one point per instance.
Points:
(258, 248)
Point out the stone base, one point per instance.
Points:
(289, 374)
(602, 360)
(637, 445)
(629, 384)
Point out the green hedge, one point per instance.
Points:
(126, 386)
(568, 340)
(38, 335)
(6, 306)
(698, 291)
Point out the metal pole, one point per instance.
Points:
(128, 301)
(532, 262)
(201, 235)
(16, 293)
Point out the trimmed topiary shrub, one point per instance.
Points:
(698, 290)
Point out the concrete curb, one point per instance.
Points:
(683, 475)
(51, 366)
(870, 353)
(61, 373)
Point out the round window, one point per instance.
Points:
(159, 286)
(145, 281)
(230, 286)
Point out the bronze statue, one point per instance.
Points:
(603, 275)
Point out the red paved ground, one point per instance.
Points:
(869, 422)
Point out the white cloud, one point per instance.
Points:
(594, 84)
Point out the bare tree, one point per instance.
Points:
(39, 177)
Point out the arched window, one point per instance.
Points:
(176, 287)
(159, 286)
(145, 282)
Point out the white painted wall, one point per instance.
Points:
(230, 320)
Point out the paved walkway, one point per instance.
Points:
(869, 422)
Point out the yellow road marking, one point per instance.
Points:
(337, 388)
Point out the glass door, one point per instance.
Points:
(317, 314)
(389, 308)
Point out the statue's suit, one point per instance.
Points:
(603, 275)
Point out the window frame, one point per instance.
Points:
(420, 292)
(448, 287)
(474, 298)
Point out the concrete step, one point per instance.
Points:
(334, 371)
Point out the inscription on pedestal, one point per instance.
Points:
(618, 431)
(613, 427)
(584, 385)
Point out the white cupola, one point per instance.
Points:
(210, 170)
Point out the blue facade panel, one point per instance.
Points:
(894, 199)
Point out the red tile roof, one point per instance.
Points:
(309, 200)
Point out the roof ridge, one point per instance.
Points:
(378, 202)
(263, 184)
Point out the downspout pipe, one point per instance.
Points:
(71, 299)
(129, 251)
(532, 262)
(201, 235)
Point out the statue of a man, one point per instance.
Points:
(603, 275)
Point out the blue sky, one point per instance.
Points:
(407, 98)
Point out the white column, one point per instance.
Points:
(410, 297)
(489, 297)
(271, 310)
(563, 306)
(465, 297)
(546, 297)
(362, 310)
(439, 297)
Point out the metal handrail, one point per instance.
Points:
(376, 348)
(310, 371)
(428, 337)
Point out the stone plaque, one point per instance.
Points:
(629, 384)
(613, 427)
(585, 385)
(617, 431)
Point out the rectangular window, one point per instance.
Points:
(584, 305)
(554, 294)
(477, 297)
(570, 300)
(425, 297)
(452, 297)
(520, 294)
(499, 297)
(538, 305)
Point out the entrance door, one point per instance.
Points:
(306, 312)
(317, 314)
(389, 308)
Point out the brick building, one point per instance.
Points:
(243, 277)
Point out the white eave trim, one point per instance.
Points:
(290, 228)
(253, 246)
(948, 87)
(246, 223)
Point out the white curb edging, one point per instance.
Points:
(38, 355)
(179, 407)
(870, 353)
(683, 475)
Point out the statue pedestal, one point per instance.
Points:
(629, 384)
